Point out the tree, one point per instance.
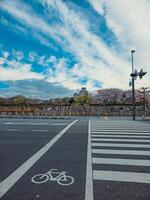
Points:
(144, 91)
(20, 101)
(83, 101)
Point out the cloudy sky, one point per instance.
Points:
(51, 48)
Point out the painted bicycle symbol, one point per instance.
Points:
(53, 175)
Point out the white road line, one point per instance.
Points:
(18, 173)
(118, 127)
(39, 130)
(120, 136)
(60, 124)
(8, 123)
(119, 161)
(124, 126)
(37, 124)
(119, 133)
(11, 129)
(120, 145)
(121, 176)
(89, 172)
(121, 129)
(34, 124)
(121, 152)
(120, 140)
(25, 123)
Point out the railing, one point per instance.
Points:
(73, 113)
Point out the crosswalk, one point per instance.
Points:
(120, 152)
(117, 144)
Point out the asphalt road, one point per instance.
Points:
(56, 159)
(120, 160)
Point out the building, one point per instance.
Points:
(83, 91)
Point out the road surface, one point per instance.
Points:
(75, 159)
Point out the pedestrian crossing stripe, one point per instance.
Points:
(130, 138)
(133, 177)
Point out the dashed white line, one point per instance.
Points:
(60, 124)
(40, 130)
(12, 129)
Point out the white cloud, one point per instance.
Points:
(98, 5)
(90, 50)
(62, 75)
(17, 74)
(34, 88)
(41, 60)
(96, 61)
(18, 55)
(23, 14)
(52, 59)
(33, 56)
(130, 22)
(5, 54)
(12, 69)
(2, 61)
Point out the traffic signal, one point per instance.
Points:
(141, 73)
(135, 74)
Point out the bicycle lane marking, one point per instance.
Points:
(62, 178)
(19, 172)
(89, 173)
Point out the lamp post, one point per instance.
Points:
(133, 90)
(134, 75)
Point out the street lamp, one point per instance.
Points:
(134, 76)
(133, 90)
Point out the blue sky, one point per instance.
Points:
(51, 48)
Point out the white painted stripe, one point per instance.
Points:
(120, 126)
(39, 130)
(119, 161)
(11, 129)
(121, 152)
(120, 136)
(120, 140)
(18, 173)
(120, 133)
(121, 176)
(8, 123)
(120, 145)
(25, 123)
(37, 124)
(60, 124)
(89, 174)
(119, 130)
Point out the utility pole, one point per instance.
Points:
(133, 88)
(134, 76)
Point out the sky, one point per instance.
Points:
(52, 48)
